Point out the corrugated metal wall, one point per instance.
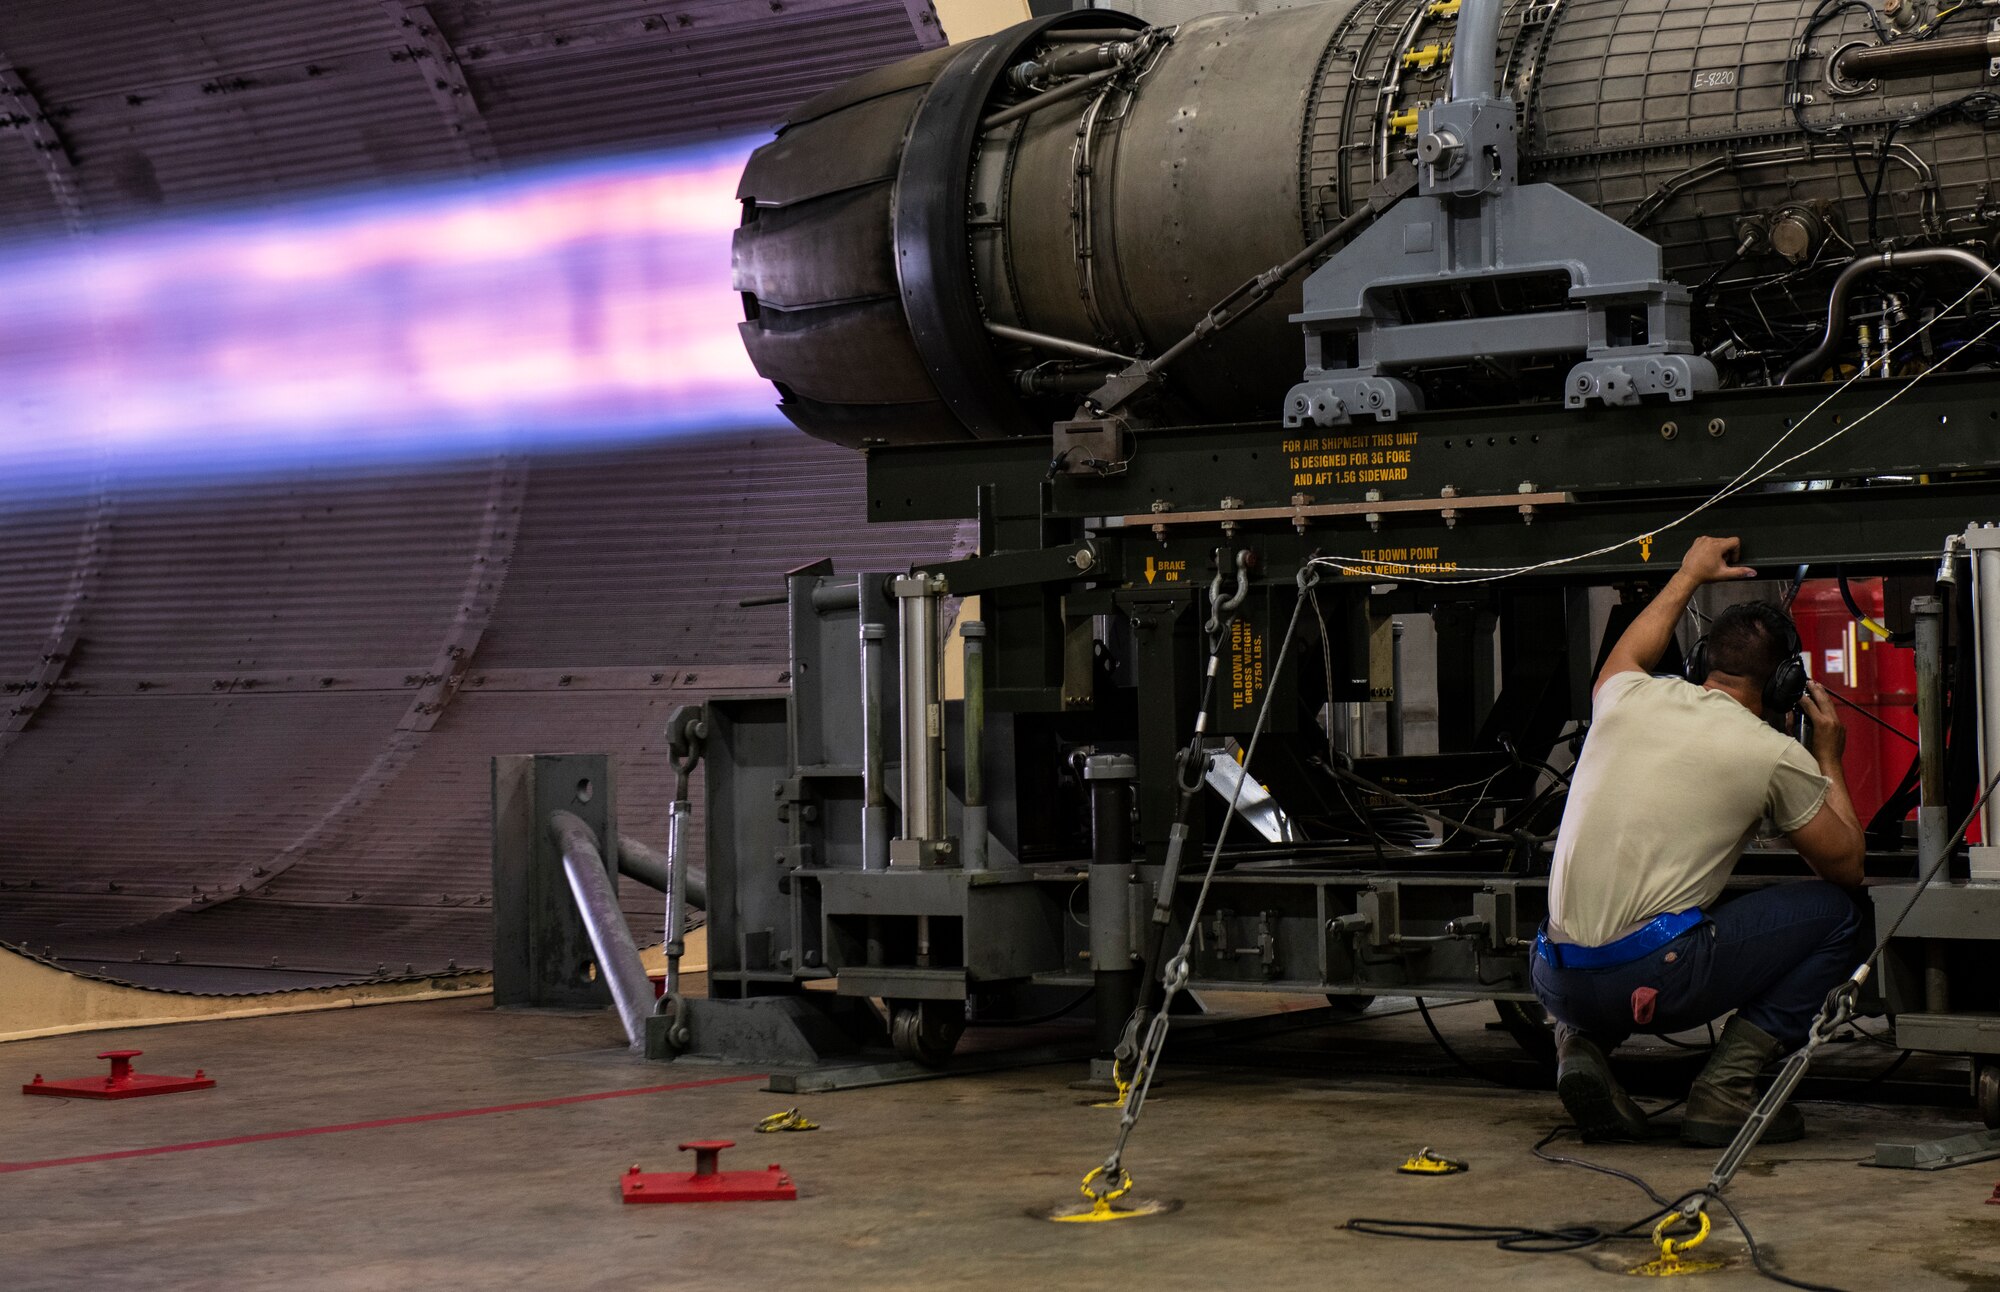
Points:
(232, 757)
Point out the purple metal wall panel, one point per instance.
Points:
(652, 573)
(736, 71)
(43, 558)
(316, 575)
(174, 801)
(176, 106)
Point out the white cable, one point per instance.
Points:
(1743, 480)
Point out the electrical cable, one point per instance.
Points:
(1566, 1238)
(1687, 1045)
(1424, 1009)
(1877, 719)
(1477, 832)
(1508, 1238)
(1865, 620)
(1792, 591)
(1571, 1238)
(1757, 1254)
(1507, 745)
(1541, 1147)
(1889, 1071)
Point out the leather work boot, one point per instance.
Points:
(1595, 1101)
(1721, 1098)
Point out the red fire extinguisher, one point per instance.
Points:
(1854, 659)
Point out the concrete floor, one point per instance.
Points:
(922, 1185)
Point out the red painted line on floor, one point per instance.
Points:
(412, 1120)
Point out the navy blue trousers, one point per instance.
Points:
(1771, 955)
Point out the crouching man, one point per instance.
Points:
(1674, 779)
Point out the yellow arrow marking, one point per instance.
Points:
(1149, 569)
(1646, 548)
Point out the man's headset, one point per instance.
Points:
(1788, 681)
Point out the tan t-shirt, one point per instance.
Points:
(1673, 781)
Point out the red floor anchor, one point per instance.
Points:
(708, 1184)
(122, 1083)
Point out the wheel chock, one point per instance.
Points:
(708, 1183)
(120, 1083)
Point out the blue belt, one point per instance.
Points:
(1642, 941)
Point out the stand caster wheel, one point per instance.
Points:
(1986, 1092)
(1349, 1006)
(926, 1030)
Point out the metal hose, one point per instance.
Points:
(1859, 268)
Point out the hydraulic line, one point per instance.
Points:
(1862, 266)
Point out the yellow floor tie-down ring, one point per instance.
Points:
(1671, 1260)
(1123, 1087)
(1098, 1207)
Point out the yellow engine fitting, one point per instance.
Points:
(1431, 55)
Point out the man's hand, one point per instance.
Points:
(1712, 560)
(1832, 842)
(1829, 735)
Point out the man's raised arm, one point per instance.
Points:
(1709, 560)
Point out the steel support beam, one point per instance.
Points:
(1948, 423)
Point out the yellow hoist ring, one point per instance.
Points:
(1124, 1186)
(1670, 1248)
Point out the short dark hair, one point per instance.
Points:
(1749, 641)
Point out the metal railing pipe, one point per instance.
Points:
(641, 861)
(618, 961)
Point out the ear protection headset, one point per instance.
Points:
(1788, 681)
